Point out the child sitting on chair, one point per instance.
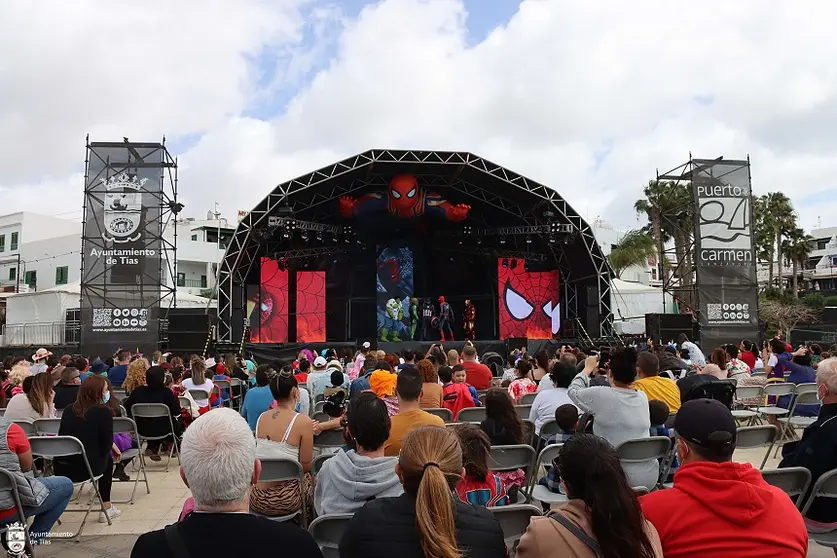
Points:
(479, 486)
(567, 418)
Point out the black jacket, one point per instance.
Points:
(65, 395)
(156, 426)
(386, 528)
(817, 452)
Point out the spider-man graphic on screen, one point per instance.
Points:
(405, 199)
(528, 301)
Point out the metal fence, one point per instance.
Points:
(41, 333)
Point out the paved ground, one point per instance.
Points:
(163, 505)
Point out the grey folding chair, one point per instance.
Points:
(319, 461)
(549, 428)
(514, 519)
(511, 458)
(27, 427)
(645, 449)
(224, 385)
(775, 390)
(443, 414)
(13, 542)
(125, 425)
(320, 416)
(794, 481)
(123, 412)
(527, 399)
(47, 426)
(329, 439)
(120, 394)
(806, 394)
(199, 394)
(319, 406)
(51, 447)
(58, 413)
(327, 531)
(236, 400)
(185, 403)
(825, 487)
(541, 493)
(156, 411)
(528, 431)
(471, 414)
(523, 410)
(276, 470)
(742, 411)
(759, 374)
(756, 437)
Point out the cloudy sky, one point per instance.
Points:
(590, 98)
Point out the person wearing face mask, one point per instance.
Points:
(718, 507)
(283, 433)
(91, 421)
(817, 450)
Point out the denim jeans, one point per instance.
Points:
(60, 492)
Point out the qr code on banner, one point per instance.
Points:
(715, 311)
(102, 317)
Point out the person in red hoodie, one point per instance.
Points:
(719, 508)
(479, 375)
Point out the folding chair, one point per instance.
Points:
(199, 394)
(158, 411)
(8, 483)
(523, 410)
(185, 403)
(27, 427)
(759, 374)
(321, 417)
(756, 437)
(236, 383)
(541, 493)
(775, 390)
(319, 461)
(319, 406)
(224, 385)
(825, 487)
(529, 431)
(58, 413)
(329, 439)
(471, 414)
(805, 394)
(278, 469)
(514, 519)
(443, 414)
(327, 531)
(645, 449)
(794, 481)
(50, 447)
(120, 394)
(47, 426)
(511, 458)
(128, 426)
(527, 399)
(743, 411)
(123, 412)
(549, 428)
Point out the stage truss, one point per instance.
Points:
(490, 185)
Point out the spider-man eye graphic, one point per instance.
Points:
(528, 302)
(411, 193)
(396, 194)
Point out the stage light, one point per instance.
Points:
(304, 236)
(319, 236)
(502, 240)
(479, 241)
(467, 229)
(334, 237)
(513, 264)
(175, 207)
(552, 239)
(505, 263)
(286, 233)
(528, 239)
(554, 227)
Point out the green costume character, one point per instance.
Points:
(414, 317)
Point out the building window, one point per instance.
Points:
(2, 242)
(181, 279)
(61, 274)
(203, 281)
(194, 238)
(12, 274)
(31, 278)
(14, 241)
(833, 261)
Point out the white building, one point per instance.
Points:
(608, 236)
(200, 247)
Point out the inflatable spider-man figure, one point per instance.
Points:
(405, 199)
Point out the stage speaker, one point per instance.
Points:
(593, 321)
(667, 327)
(188, 329)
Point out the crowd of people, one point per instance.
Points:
(417, 487)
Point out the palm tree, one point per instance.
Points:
(780, 212)
(635, 248)
(764, 235)
(798, 248)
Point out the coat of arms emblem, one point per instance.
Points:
(16, 539)
(123, 208)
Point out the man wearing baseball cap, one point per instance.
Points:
(718, 507)
(319, 373)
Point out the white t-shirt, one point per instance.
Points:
(772, 361)
(207, 386)
(544, 405)
(545, 383)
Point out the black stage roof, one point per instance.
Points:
(511, 215)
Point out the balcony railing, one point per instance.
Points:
(192, 283)
(41, 333)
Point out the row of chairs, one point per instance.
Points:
(475, 414)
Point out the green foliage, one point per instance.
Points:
(635, 248)
(814, 300)
(779, 295)
(831, 301)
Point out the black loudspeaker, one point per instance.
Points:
(188, 328)
(667, 327)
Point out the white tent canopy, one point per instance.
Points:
(631, 301)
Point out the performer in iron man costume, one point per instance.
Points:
(468, 315)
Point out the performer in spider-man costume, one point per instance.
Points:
(404, 198)
(468, 315)
(445, 319)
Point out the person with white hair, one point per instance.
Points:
(218, 463)
(817, 450)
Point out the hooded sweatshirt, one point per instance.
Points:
(725, 509)
(546, 537)
(348, 480)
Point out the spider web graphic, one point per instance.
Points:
(537, 289)
(273, 317)
(311, 307)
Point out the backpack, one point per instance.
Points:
(720, 391)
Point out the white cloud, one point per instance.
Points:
(559, 83)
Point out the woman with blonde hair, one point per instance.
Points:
(136, 375)
(38, 403)
(425, 521)
(14, 383)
